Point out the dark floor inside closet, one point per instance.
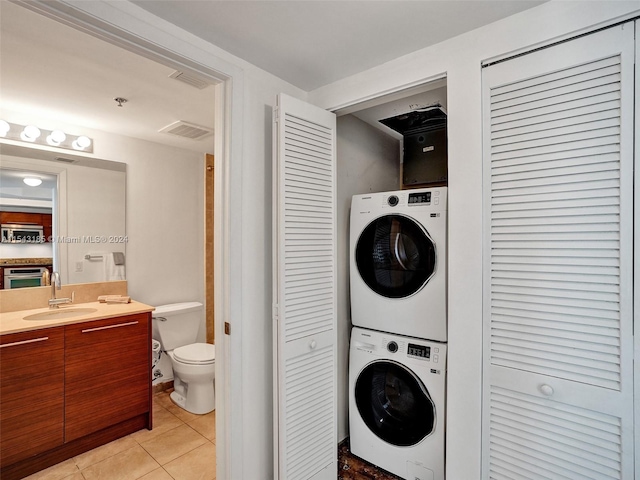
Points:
(351, 467)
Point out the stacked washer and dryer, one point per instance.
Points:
(398, 350)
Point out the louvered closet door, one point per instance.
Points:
(304, 292)
(558, 182)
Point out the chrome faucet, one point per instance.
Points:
(55, 284)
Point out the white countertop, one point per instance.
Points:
(13, 322)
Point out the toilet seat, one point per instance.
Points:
(196, 354)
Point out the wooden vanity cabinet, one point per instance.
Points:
(107, 373)
(31, 393)
(66, 390)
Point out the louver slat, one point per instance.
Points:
(564, 76)
(309, 397)
(546, 439)
(305, 292)
(584, 225)
(307, 215)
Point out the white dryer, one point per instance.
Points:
(397, 403)
(398, 260)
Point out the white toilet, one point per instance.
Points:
(177, 326)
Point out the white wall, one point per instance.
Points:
(460, 58)
(164, 219)
(165, 223)
(368, 161)
(37, 250)
(96, 208)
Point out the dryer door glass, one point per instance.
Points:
(395, 256)
(394, 403)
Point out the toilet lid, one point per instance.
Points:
(196, 353)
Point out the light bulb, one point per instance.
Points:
(4, 128)
(30, 133)
(81, 142)
(32, 181)
(56, 138)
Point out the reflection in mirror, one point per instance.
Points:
(80, 206)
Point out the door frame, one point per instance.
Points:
(132, 28)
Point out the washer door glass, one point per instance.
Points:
(394, 403)
(395, 256)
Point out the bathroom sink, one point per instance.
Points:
(60, 314)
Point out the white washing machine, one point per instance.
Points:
(397, 403)
(398, 260)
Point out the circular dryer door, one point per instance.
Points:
(395, 256)
(394, 403)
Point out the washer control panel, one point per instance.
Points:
(411, 349)
(419, 351)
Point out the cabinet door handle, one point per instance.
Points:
(23, 342)
(109, 326)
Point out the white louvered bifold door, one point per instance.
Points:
(558, 209)
(304, 292)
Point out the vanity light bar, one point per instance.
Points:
(50, 138)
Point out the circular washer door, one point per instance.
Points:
(394, 403)
(395, 256)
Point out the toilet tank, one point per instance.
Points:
(177, 324)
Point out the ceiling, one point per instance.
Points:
(24, 198)
(314, 43)
(53, 71)
(11, 180)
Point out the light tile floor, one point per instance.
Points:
(181, 446)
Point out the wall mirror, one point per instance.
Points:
(86, 198)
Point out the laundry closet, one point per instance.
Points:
(392, 164)
(321, 165)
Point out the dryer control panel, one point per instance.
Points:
(423, 197)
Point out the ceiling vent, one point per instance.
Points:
(189, 79)
(64, 160)
(418, 120)
(187, 130)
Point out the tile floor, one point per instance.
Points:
(181, 446)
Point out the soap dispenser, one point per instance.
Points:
(46, 278)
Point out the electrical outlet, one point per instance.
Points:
(79, 266)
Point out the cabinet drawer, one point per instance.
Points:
(31, 393)
(107, 373)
